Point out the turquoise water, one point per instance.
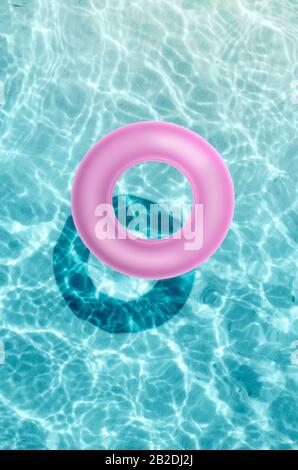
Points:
(93, 359)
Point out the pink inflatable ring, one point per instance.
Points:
(189, 153)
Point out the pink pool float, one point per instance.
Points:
(195, 158)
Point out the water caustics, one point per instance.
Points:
(220, 372)
(152, 309)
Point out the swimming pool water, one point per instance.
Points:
(206, 361)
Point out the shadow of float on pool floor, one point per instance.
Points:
(160, 304)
